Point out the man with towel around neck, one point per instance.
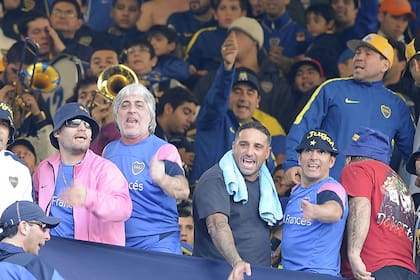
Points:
(226, 197)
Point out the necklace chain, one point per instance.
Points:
(66, 184)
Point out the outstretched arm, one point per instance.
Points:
(222, 237)
(328, 212)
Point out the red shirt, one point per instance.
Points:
(390, 237)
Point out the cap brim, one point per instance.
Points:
(355, 44)
(51, 222)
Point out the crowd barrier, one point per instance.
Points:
(80, 260)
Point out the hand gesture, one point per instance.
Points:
(238, 271)
(292, 176)
(229, 50)
(74, 195)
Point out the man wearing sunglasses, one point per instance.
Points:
(25, 229)
(89, 193)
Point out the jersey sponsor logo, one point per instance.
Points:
(386, 111)
(351, 101)
(56, 201)
(13, 181)
(296, 220)
(137, 167)
(136, 186)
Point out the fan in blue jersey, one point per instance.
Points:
(153, 169)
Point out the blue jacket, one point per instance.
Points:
(341, 106)
(185, 25)
(292, 37)
(16, 264)
(173, 68)
(203, 51)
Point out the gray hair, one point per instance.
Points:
(141, 91)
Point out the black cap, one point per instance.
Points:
(26, 211)
(317, 139)
(245, 75)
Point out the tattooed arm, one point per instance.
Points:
(357, 230)
(221, 235)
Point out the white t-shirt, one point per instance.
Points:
(15, 180)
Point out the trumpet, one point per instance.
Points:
(113, 79)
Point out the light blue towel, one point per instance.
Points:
(269, 206)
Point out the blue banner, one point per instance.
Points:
(80, 260)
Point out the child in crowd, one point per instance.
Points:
(165, 42)
(325, 47)
(186, 226)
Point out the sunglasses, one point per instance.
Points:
(41, 225)
(76, 123)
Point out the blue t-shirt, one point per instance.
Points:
(154, 212)
(59, 208)
(311, 245)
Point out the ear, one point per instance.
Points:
(380, 17)
(268, 153)
(330, 25)
(154, 61)
(56, 134)
(332, 161)
(79, 23)
(386, 65)
(172, 46)
(167, 109)
(23, 228)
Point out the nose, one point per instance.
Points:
(47, 235)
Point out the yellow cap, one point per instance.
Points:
(375, 42)
(412, 49)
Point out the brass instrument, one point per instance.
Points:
(113, 79)
(39, 77)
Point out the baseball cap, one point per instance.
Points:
(371, 143)
(397, 8)
(249, 26)
(6, 114)
(317, 139)
(71, 111)
(411, 163)
(26, 211)
(412, 49)
(375, 42)
(245, 75)
(306, 61)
